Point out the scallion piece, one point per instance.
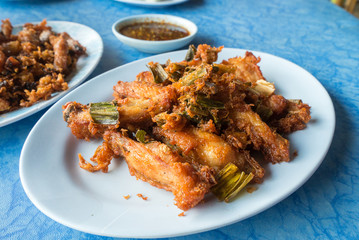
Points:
(104, 113)
(242, 182)
(230, 181)
(263, 111)
(198, 111)
(209, 103)
(141, 136)
(223, 68)
(191, 77)
(159, 74)
(190, 53)
(176, 71)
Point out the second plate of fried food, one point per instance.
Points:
(41, 63)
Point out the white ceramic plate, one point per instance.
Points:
(152, 3)
(94, 202)
(90, 39)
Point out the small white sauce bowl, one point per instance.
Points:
(155, 46)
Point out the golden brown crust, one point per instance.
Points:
(207, 54)
(246, 68)
(208, 149)
(202, 117)
(156, 164)
(295, 117)
(139, 101)
(102, 157)
(274, 147)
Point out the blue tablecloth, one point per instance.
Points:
(315, 34)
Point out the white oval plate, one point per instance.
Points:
(94, 202)
(90, 39)
(149, 3)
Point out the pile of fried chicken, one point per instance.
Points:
(34, 63)
(178, 124)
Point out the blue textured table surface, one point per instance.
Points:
(314, 34)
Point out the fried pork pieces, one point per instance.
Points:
(34, 64)
(198, 117)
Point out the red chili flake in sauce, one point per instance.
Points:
(154, 31)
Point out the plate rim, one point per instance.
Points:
(203, 229)
(42, 104)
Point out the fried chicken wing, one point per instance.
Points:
(209, 149)
(141, 100)
(133, 111)
(158, 165)
(274, 147)
(161, 97)
(286, 116)
(296, 117)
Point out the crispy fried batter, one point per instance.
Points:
(208, 149)
(158, 165)
(246, 68)
(296, 117)
(201, 117)
(207, 54)
(141, 100)
(103, 156)
(274, 147)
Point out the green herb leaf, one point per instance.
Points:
(263, 111)
(209, 103)
(177, 71)
(190, 53)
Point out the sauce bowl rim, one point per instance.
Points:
(181, 22)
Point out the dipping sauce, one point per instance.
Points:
(154, 31)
